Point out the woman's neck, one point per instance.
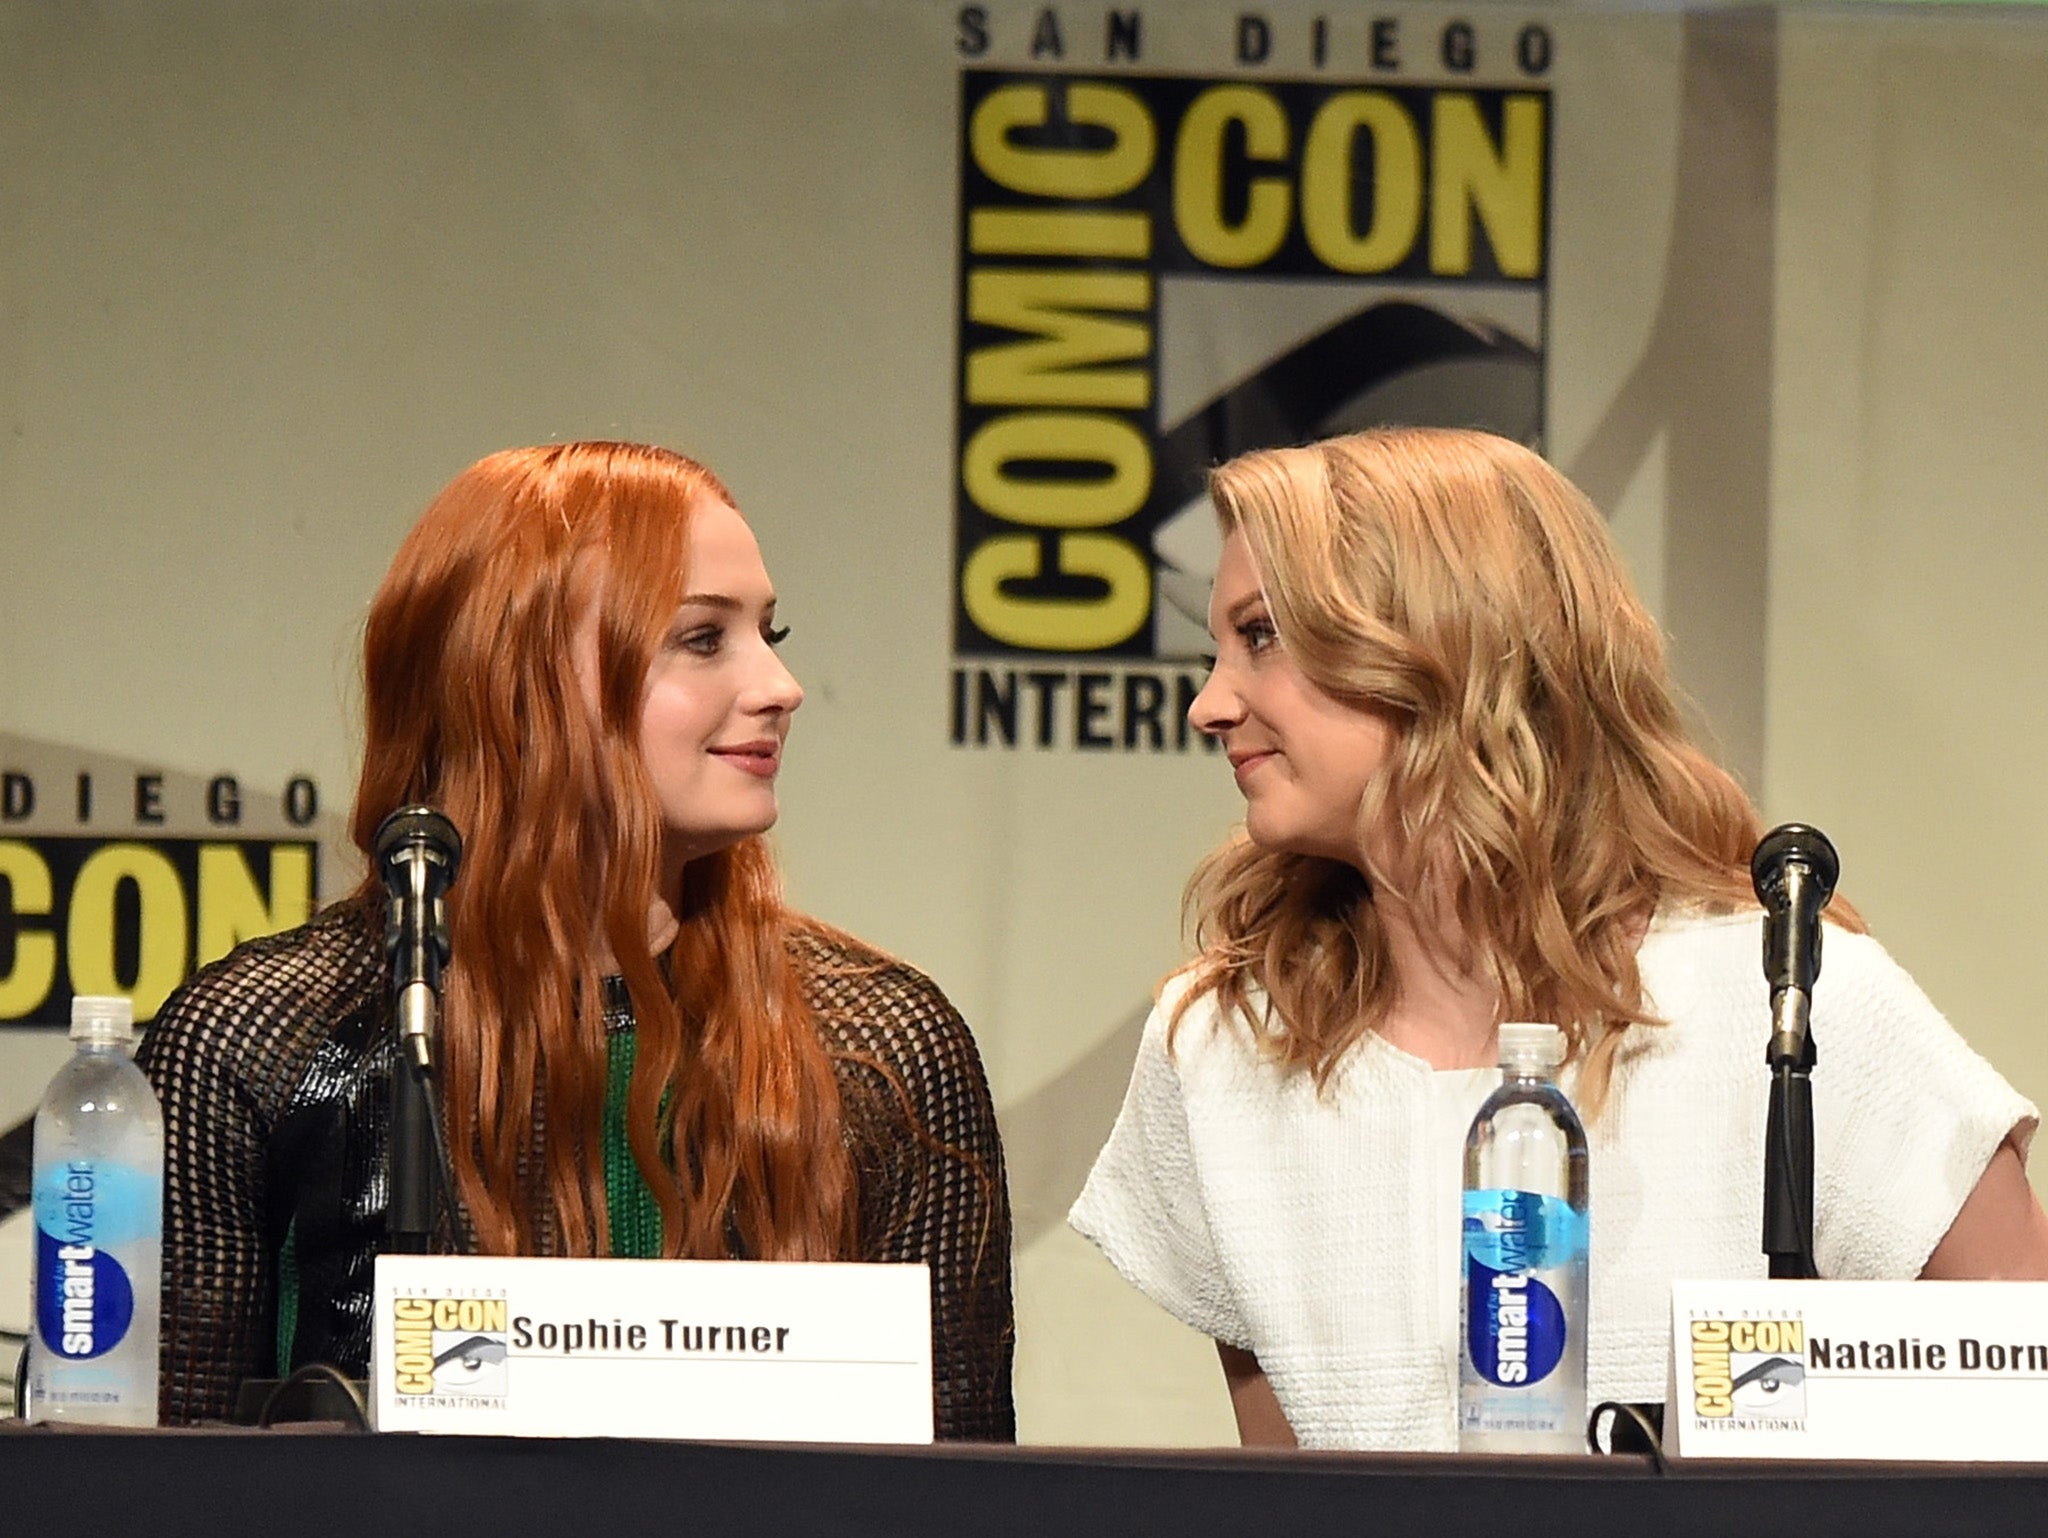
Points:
(662, 927)
(1441, 1014)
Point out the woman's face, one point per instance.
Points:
(716, 705)
(1303, 758)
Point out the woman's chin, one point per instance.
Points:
(694, 843)
(1278, 836)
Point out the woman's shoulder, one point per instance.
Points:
(1194, 1009)
(307, 977)
(845, 969)
(1704, 971)
(1730, 939)
(862, 992)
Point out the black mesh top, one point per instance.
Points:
(273, 1066)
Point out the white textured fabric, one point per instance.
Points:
(1321, 1232)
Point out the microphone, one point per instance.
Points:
(417, 852)
(1794, 871)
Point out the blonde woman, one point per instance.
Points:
(1469, 798)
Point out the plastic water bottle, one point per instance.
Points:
(1522, 1380)
(99, 1204)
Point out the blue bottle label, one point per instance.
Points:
(86, 1211)
(1518, 1247)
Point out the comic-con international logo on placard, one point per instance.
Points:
(1749, 1373)
(1160, 271)
(449, 1349)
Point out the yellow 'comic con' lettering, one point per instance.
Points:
(1064, 357)
(1438, 169)
(189, 903)
(1093, 207)
(1713, 1384)
(1089, 468)
(412, 1345)
(1503, 185)
(232, 907)
(1199, 171)
(470, 1314)
(1328, 161)
(160, 903)
(30, 894)
(1076, 175)
(1058, 624)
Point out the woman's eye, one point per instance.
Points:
(1258, 635)
(704, 641)
(775, 635)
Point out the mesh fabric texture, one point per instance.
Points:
(274, 1067)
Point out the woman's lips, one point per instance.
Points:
(760, 759)
(1242, 764)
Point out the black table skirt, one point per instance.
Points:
(222, 1484)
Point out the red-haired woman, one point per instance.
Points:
(644, 1053)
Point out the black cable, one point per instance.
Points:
(444, 1167)
(1618, 1410)
(315, 1372)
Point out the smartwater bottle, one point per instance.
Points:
(99, 1204)
(1522, 1380)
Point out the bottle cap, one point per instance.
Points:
(1535, 1042)
(96, 1017)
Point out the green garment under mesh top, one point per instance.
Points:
(628, 1203)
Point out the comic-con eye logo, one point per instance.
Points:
(449, 1346)
(1749, 1369)
(1160, 272)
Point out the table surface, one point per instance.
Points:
(318, 1482)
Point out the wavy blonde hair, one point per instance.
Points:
(1542, 797)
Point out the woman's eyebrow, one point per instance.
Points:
(725, 602)
(1250, 601)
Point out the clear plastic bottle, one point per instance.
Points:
(1522, 1358)
(99, 1204)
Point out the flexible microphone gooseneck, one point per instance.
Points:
(417, 852)
(1794, 871)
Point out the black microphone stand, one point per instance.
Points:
(417, 851)
(1788, 1155)
(413, 1214)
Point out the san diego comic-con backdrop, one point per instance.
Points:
(961, 300)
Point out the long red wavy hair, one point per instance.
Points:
(472, 704)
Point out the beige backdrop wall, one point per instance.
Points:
(271, 274)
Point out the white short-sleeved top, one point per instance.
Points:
(1321, 1231)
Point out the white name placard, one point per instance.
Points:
(1944, 1371)
(691, 1349)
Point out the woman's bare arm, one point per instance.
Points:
(2001, 1231)
(1260, 1420)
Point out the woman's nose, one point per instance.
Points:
(777, 689)
(1216, 708)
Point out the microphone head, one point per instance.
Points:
(421, 828)
(1794, 844)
